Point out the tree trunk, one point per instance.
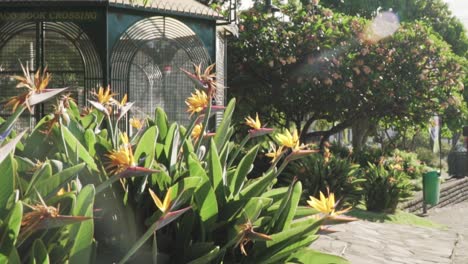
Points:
(361, 130)
(455, 138)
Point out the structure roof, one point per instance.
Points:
(190, 7)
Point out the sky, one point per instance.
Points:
(459, 9)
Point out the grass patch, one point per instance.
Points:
(399, 217)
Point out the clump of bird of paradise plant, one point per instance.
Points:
(40, 221)
(211, 211)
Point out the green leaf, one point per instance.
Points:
(147, 146)
(10, 122)
(76, 150)
(90, 139)
(308, 256)
(205, 197)
(184, 185)
(288, 209)
(7, 180)
(257, 187)
(24, 164)
(264, 249)
(197, 250)
(195, 168)
(10, 231)
(160, 119)
(240, 176)
(57, 181)
(223, 156)
(167, 219)
(276, 194)
(42, 174)
(210, 256)
(222, 130)
(6, 149)
(171, 146)
(303, 211)
(207, 205)
(82, 247)
(284, 253)
(39, 253)
(215, 173)
(14, 257)
(253, 208)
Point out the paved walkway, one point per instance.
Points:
(364, 242)
(456, 218)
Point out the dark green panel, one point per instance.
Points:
(119, 22)
(206, 31)
(120, 19)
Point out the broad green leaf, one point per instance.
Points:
(303, 211)
(289, 209)
(207, 205)
(205, 197)
(10, 231)
(39, 253)
(281, 240)
(7, 180)
(208, 258)
(82, 247)
(6, 149)
(161, 178)
(254, 207)
(188, 149)
(147, 146)
(167, 219)
(240, 176)
(54, 183)
(24, 164)
(10, 122)
(222, 130)
(76, 150)
(14, 257)
(223, 156)
(308, 256)
(257, 187)
(215, 173)
(38, 144)
(276, 194)
(90, 139)
(160, 118)
(284, 253)
(196, 250)
(196, 169)
(171, 146)
(42, 174)
(185, 185)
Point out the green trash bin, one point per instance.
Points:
(431, 187)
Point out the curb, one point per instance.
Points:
(451, 192)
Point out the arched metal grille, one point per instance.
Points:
(146, 62)
(61, 46)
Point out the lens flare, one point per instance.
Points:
(384, 25)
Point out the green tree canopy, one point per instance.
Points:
(319, 65)
(435, 13)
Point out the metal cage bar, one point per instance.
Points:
(146, 62)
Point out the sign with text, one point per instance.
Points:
(49, 16)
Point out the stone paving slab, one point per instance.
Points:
(365, 242)
(455, 217)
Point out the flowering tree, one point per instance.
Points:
(436, 13)
(317, 65)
